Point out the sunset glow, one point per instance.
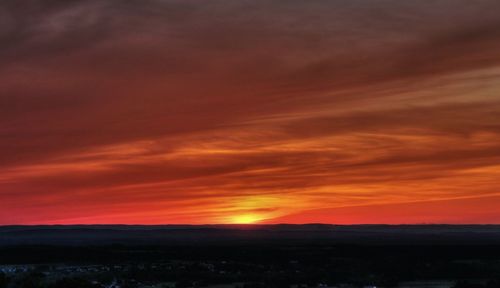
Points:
(246, 219)
(241, 112)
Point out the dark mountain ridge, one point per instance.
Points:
(248, 234)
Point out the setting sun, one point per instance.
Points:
(246, 219)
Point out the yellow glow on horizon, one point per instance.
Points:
(246, 219)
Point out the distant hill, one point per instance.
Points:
(248, 234)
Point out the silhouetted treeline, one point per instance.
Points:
(257, 265)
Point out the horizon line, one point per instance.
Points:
(259, 224)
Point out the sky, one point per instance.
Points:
(249, 111)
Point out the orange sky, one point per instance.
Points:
(161, 111)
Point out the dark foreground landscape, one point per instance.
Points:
(250, 256)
